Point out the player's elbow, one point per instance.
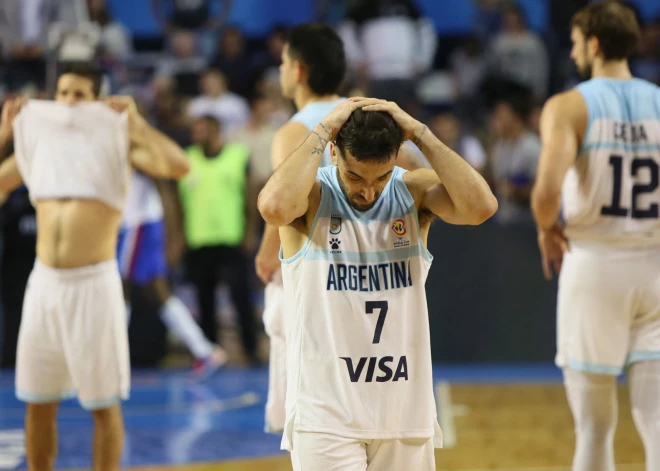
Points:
(179, 168)
(484, 209)
(277, 211)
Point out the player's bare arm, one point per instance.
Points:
(151, 151)
(291, 196)
(10, 110)
(563, 123)
(453, 190)
(10, 178)
(287, 194)
(287, 139)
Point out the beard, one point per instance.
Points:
(353, 200)
(585, 71)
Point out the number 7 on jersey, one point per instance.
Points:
(370, 306)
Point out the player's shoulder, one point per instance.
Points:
(569, 101)
(569, 107)
(291, 131)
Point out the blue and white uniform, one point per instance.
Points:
(358, 341)
(273, 315)
(609, 287)
(141, 242)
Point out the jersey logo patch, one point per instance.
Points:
(335, 225)
(334, 244)
(399, 227)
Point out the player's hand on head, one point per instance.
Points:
(552, 243)
(412, 129)
(337, 117)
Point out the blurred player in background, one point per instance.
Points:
(601, 156)
(75, 157)
(141, 254)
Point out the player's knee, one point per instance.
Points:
(109, 417)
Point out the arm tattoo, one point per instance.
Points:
(418, 139)
(320, 148)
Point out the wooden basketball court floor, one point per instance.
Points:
(494, 418)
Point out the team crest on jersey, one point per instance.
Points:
(399, 228)
(335, 225)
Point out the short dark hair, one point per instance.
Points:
(210, 119)
(86, 70)
(370, 136)
(614, 25)
(321, 51)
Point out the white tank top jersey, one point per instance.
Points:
(143, 205)
(358, 341)
(612, 194)
(79, 151)
(311, 115)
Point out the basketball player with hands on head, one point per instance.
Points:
(75, 156)
(312, 70)
(601, 161)
(354, 264)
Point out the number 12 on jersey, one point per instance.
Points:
(636, 165)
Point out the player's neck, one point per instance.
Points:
(304, 97)
(612, 69)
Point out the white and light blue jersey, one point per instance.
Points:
(612, 192)
(358, 341)
(311, 115)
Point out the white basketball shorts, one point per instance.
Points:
(274, 325)
(608, 308)
(325, 452)
(73, 338)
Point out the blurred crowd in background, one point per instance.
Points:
(480, 92)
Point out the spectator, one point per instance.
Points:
(193, 16)
(116, 41)
(189, 15)
(267, 63)
(233, 61)
(647, 64)
(518, 54)
(216, 100)
(220, 215)
(468, 67)
(514, 158)
(24, 30)
(447, 128)
(391, 43)
(185, 64)
(258, 135)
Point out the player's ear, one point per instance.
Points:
(333, 152)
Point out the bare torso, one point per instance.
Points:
(74, 232)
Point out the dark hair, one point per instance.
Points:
(321, 52)
(209, 119)
(520, 103)
(613, 24)
(370, 136)
(86, 70)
